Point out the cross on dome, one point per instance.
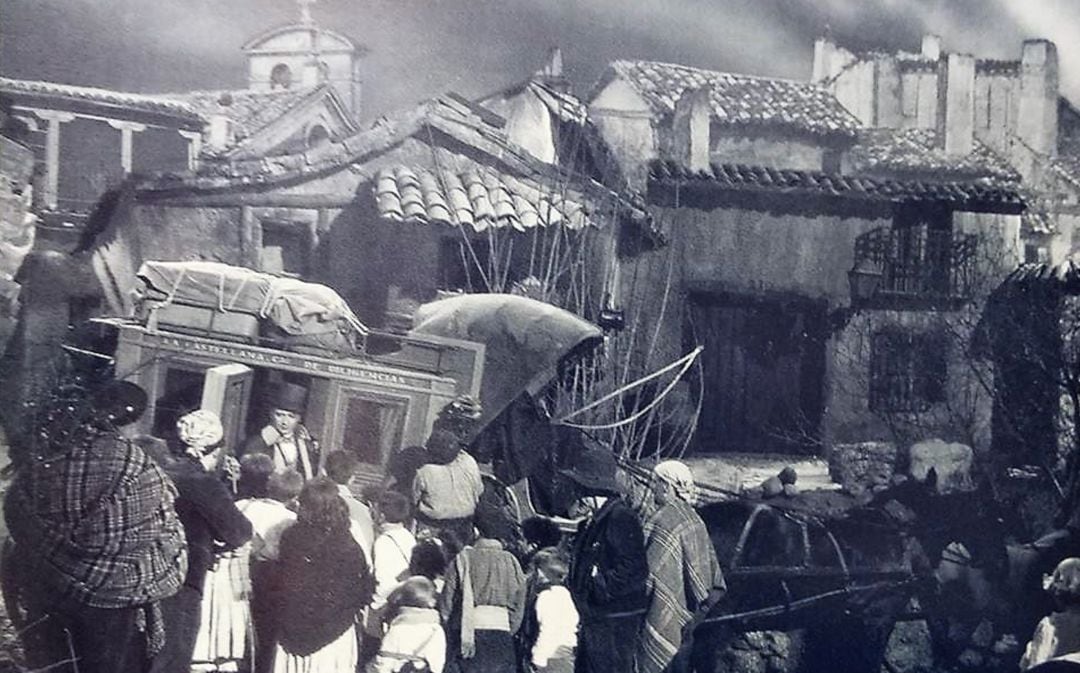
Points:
(305, 10)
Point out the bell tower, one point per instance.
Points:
(304, 55)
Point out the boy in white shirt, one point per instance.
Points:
(555, 613)
(390, 560)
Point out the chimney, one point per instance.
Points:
(1037, 121)
(219, 136)
(690, 126)
(956, 104)
(553, 67)
(931, 47)
(823, 59)
(551, 73)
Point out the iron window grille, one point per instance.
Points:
(921, 257)
(908, 371)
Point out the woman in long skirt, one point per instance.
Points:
(224, 642)
(324, 583)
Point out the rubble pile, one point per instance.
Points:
(864, 466)
(762, 652)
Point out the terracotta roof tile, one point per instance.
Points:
(1035, 221)
(249, 111)
(478, 198)
(908, 151)
(146, 102)
(740, 99)
(727, 177)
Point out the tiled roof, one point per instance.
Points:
(481, 199)
(566, 106)
(1065, 276)
(1035, 221)
(518, 175)
(740, 99)
(907, 151)
(136, 101)
(726, 177)
(249, 111)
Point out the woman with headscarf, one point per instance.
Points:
(684, 574)
(224, 640)
(212, 524)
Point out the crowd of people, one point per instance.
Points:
(126, 555)
(141, 554)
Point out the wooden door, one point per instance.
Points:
(763, 374)
(227, 392)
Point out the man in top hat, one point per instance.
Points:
(284, 438)
(609, 570)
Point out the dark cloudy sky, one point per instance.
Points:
(422, 47)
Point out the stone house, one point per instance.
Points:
(246, 123)
(833, 292)
(86, 140)
(431, 199)
(1013, 107)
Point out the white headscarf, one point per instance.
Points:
(200, 429)
(678, 475)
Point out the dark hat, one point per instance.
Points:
(594, 470)
(288, 396)
(121, 402)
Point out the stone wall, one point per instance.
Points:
(762, 652)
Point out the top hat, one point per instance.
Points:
(288, 396)
(594, 471)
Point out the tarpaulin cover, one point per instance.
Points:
(296, 307)
(524, 338)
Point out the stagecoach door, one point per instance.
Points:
(227, 392)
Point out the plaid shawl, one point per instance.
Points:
(683, 569)
(101, 521)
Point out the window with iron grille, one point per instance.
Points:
(908, 370)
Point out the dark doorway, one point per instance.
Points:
(179, 392)
(763, 369)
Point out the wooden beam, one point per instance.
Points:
(260, 200)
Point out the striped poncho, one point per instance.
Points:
(683, 570)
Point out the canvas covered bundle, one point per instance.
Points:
(299, 314)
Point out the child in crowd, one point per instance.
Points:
(430, 558)
(539, 533)
(391, 556)
(341, 468)
(1057, 637)
(415, 635)
(551, 621)
(270, 515)
(484, 598)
